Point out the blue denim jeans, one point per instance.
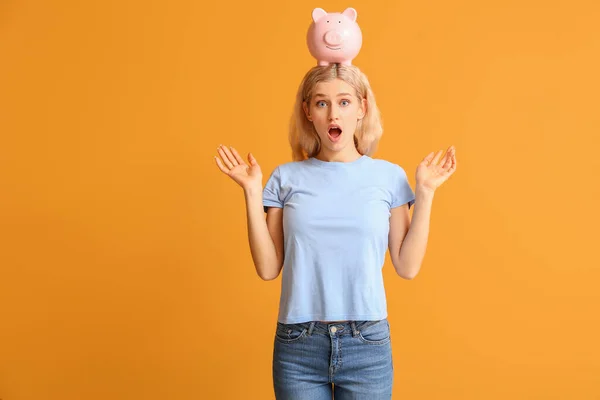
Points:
(351, 359)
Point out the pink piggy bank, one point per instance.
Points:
(334, 37)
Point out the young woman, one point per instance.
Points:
(332, 214)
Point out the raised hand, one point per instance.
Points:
(430, 175)
(247, 176)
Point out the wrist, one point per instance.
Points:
(424, 191)
(252, 191)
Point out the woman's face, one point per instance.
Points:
(335, 111)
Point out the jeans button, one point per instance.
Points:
(333, 329)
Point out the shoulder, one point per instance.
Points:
(287, 169)
(387, 167)
(291, 165)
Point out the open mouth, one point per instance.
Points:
(334, 134)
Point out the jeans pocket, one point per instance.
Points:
(290, 333)
(375, 332)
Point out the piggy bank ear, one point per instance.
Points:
(318, 13)
(350, 13)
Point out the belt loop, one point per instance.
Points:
(354, 330)
(311, 327)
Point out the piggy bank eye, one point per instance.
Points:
(339, 22)
(327, 21)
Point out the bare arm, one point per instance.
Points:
(265, 237)
(408, 239)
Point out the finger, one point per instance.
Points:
(451, 151)
(445, 159)
(239, 159)
(453, 166)
(224, 157)
(221, 166)
(230, 156)
(448, 161)
(427, 158)
(436, 159)
(252, 159)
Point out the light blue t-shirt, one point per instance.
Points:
(336, 218)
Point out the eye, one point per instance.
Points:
(339, 22)
(327, 21)
(319, 102)
(347, 101)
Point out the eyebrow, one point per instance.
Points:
(339, 94)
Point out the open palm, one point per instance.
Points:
(235, 167)
(430, 175)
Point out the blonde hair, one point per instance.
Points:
(305, 141)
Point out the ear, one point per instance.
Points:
(318, 13)
(350, 13)
(306, 112)
(362, 111)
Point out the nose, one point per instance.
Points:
(333, 38)
(333, 112)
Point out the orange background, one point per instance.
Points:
(125, 268)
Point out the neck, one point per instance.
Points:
(338, 156)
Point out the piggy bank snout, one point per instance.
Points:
(333, 38)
